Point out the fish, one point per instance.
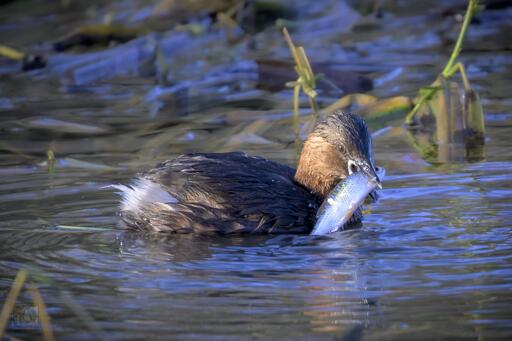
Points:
(343, 200)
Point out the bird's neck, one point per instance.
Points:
(320, 166)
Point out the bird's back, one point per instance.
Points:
(225, 193)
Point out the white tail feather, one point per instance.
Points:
(140, 192)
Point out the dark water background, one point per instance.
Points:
(433, 259)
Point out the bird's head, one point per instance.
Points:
(338, 146)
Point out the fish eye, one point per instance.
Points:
(352, 167)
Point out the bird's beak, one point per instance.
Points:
(372, 174)
(375, 177)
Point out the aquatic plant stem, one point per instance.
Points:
(296, 94)
(415, 109)
(472, 6)
(10, 53)
(44, 318)
(67, 299)
(462, 71)
(51, 161)
(451, 66)
(314, 106)
(10, 301)
(306, 80)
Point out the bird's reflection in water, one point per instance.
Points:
(321, 279)
(337, 292)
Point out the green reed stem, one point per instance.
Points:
(470, 11)
(451, 67)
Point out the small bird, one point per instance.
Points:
(233, 193)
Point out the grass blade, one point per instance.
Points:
(44, 318)
(10, 301)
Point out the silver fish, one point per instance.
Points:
(343, 200)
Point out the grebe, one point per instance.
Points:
(236, 193)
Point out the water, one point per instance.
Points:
(433, 259)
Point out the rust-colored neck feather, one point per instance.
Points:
(321, 166)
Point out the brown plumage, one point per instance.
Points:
(236, 193)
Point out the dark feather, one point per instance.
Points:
(226, 193)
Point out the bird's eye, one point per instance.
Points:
(352, 167)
